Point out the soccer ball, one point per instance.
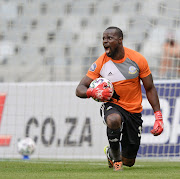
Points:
(26, 146)
(97, 82)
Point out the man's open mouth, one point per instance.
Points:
(107, 49)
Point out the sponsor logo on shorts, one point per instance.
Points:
(109, 107)
(132, 70)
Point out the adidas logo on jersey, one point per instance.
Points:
(110, 73)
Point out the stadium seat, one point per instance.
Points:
(56, 32)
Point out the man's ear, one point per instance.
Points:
(120, 39)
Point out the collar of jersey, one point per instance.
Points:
(119, 61)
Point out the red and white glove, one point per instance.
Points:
(158, 125)
(100, 92)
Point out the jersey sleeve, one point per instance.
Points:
(144, 68)
(94, 70)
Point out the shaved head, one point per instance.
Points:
(118, 31)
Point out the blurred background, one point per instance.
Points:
(53, 43)
(58, 40)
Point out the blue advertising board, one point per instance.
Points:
(168, 143)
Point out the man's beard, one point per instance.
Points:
(113, 53)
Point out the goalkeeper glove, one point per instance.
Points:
(100, 92)
(158, 125)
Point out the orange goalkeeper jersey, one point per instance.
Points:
(125, 75)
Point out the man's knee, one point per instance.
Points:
(114, 121)
(128, 162)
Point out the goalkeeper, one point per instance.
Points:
(125, 68)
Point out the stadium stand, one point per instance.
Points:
(43, 40)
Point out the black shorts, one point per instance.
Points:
(131, 128)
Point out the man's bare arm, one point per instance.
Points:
(151, 92)
(83, 86)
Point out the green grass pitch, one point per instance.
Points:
(86, 169)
